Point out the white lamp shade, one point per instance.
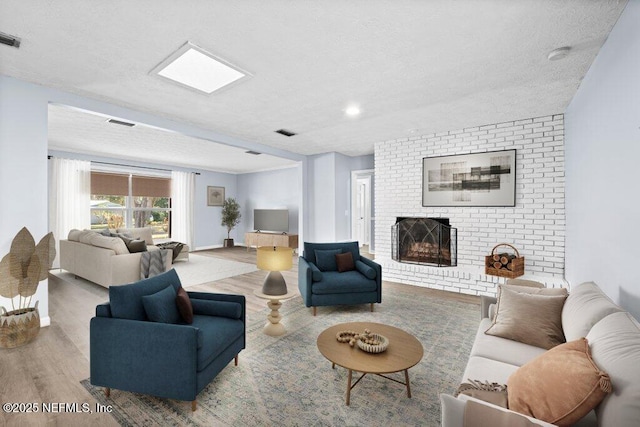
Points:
(275, 258)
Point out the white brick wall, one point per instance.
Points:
(536, 225)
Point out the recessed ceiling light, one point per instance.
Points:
(352, 110)
(196, 68)
(558, 53)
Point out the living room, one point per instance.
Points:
(567, 210)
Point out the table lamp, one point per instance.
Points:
(274, 259)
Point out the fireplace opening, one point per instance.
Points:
(429, 241)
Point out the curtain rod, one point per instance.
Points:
(130, 166)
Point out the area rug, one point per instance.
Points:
(199, 269)
(202, 269)
(285, 381)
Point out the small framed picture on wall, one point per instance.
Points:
(215, 196)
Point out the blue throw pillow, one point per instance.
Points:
(316, 274)
(161, 307)
(126, 300)
(365, 269)
(229, 309)
(326, 259)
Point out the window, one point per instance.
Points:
(128, 200)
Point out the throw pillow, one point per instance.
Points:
(560, 386)
(536, 291)
(161, 306)
(183, 302)
(326, 259)
(316, 274)
(344, 262)
(365, 269)
(229, 309)
(528, 318)
(126, 300)
(134, 245)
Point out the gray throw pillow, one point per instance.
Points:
(134, 245)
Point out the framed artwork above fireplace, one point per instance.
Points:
(478, 179)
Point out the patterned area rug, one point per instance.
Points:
(285, 381)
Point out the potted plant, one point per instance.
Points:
(21, 270)
(230, 218)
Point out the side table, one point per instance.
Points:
(273, 327)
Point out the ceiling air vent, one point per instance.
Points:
(285, 132)
(255, 153)
(121, 123)
(9, 40)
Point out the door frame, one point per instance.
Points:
(355, 176)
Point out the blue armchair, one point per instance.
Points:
(321, 282)
(175, 360)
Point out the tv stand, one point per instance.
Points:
(261, 238)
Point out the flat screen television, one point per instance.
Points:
(275, 220)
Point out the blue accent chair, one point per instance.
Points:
(321, 284)
(169, 360)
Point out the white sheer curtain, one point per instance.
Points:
(69, 198)
(183, 187)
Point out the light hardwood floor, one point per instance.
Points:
(50, 368)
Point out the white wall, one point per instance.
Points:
(321, 198)
(23, 171)
(603, 153)
(277, 189)
(208, 231)
(536, 225)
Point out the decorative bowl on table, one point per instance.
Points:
(374, 343)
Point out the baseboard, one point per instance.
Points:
(45, 321)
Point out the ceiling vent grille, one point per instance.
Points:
(121, 123)
(255, 153)
(285, 132)
(9, 40)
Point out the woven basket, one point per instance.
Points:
(18, 327)
(516, 264)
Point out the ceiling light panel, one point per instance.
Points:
(196, 68)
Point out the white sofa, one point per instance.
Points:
(105, 260)
(614, 341)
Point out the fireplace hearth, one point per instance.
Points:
(428, 241)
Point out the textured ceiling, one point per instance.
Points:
(82, 132)
(414, 67)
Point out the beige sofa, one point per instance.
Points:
(613, 337)
(105, 260)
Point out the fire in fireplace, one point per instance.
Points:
(429, 241)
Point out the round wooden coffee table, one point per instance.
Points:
(404, 351)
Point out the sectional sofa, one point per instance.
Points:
(103, 259)
(545, 380)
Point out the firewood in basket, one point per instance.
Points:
(496, 257)
(497, 265)
(504, 260)
(510, 266)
